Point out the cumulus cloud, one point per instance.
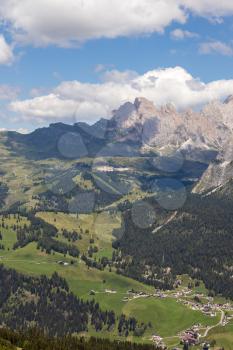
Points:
(66, 23)
(119, 77)
(179, 34)
(71, 22)
(6, 53)
(8, 92)
(55, 107)
(209, 8)
(100, 67)
(73, 101)
(215, 47)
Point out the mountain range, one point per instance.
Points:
(142, 129)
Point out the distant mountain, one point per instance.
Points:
(44, 142)
(165, 129)
(141, 128)
(220, 170)
(144, 124)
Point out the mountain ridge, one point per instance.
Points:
(202, 136)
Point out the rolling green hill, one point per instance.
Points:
(167, 316)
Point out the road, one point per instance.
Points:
(220, 323)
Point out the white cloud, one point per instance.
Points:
(73, 101)
(65, 23)
(54, 107)
(8, 92)
(6, 53)
(50, 105)
(119, 77)
(20, 130)
(209, 8)
(71, 22)
(215, 47)
(99, 68)
(179, 34)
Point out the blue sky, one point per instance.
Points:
(51, 65)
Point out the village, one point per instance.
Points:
(194, 335)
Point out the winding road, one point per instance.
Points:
(220, 323)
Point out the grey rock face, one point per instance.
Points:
(197, 135)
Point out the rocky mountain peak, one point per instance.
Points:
(142, 120)
(132, 115)
(168, 108)
(143, 105)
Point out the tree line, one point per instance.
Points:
(48, 304)
(34, 339)
(198, 242)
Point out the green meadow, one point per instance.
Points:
(167, 316)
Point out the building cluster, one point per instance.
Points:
(196, 301)
(132, 294)
(158, 342)
(185, 292)
(190, 336)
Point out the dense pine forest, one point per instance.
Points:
(36, 340)
(48, 304)
(43, 233)
(197, 242)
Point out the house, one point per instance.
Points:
(109, 291)
(190, 337)
(158, 341)
(64, 263)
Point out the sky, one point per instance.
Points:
(77, 60)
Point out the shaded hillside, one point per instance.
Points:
(44, 143)
(197, 241)
(34, 340)
(48, 304)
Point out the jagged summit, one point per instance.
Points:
(133, 114)
(143, 104)
(200, 136)
(157, 127)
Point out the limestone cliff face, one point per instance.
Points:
(217, 175)
(165, 126)
(194, 134)
(203, 136)
(220, 171)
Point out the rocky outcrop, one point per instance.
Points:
(161, 127)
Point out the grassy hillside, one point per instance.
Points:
(166, 315)
(222, 337)
(93, 226)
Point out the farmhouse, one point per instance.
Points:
(158, 341)
(109, 291)
(190, 337)
(64, 263)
